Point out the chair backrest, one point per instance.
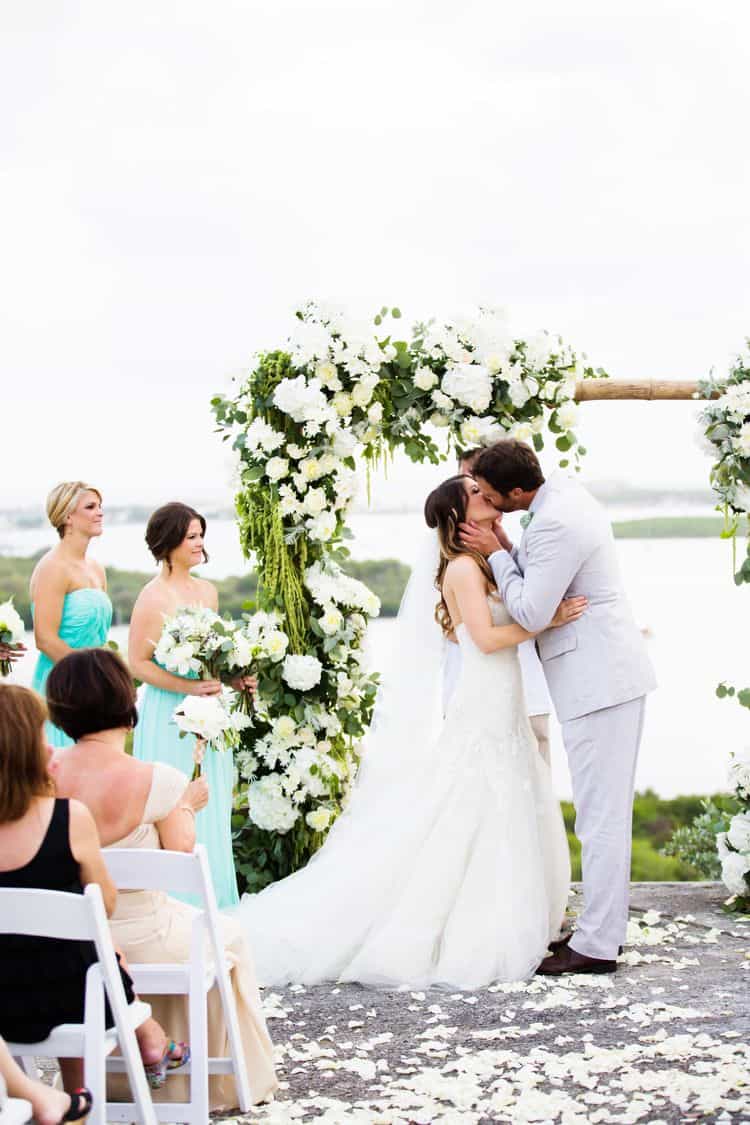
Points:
(146, 869)
(43, 913)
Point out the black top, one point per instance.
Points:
(43, 980)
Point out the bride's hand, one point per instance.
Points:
(569, 609)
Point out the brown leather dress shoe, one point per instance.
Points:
(554, 946)
(566, 960)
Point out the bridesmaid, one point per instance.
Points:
(175, 535)
(69, 601)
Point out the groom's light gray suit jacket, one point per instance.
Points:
(567, 549)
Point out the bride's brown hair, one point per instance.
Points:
(444, 510)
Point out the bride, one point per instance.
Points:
(450, 864)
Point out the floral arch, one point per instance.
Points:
(342, 389)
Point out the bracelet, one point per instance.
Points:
(189, 809)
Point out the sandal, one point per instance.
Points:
(81, 1102)
(156, 1073)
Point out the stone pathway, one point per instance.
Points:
(664, 1040)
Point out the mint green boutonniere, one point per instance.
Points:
(526, 519)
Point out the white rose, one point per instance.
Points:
(328, 464)
(318, 819)
(442, 401)
(11, 624)
(567, 415)
(375, 413)
(276, 644)
(295, 451)
(362, 394)
(344, 443)
(537, 424)
(288, 505)
(322, 527)
(241, 654)
(344, 683)
(494, 363)
(204, 715)
(439, 420)
(310, 468)
(329, 376)
(181, 659)
(739, 832)
(425, 378)
(734, 868)
(521, 431)
(331, 621)
(301, 672)
(277, 468)
(471, 432)
(315, 501)
(284, 728)
(342, 404)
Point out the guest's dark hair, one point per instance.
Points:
(469, 457)
(509, 464)
(90, 690)
(167, 528)
(444, 510)
(23, 751)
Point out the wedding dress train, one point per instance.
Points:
(451, 871)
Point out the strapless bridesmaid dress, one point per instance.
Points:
(85, 623)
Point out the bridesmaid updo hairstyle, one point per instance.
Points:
(23, 751)
(167, 528)
(63, 500)
(90, 690)
(444, 510)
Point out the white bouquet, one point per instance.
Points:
(196, 640)
(214, 721)
(11, 632)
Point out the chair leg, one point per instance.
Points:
(198, 1017)
(94, 1058)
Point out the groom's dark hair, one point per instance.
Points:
(509, 464)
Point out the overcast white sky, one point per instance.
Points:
(177, 175)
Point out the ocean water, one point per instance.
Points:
(682, 593)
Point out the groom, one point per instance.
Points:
(597, 670)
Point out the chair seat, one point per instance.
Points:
(166, 978)
(66, 1040)
(15, 1111)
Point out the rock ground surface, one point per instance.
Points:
(665, 1039)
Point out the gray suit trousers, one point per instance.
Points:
(602, 750)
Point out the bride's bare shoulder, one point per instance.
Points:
(462, 569)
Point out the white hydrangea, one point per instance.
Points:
(742, 442)
(268, 807)
(734, 868)
(260, 436)
(738, 833)
(309, 341)
(739, 772)
(470, 383)
(301, 672)
(303, 400)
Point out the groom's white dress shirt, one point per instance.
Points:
(598, 673)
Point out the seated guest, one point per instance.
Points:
(138, 804)
(49, 1105)
(50, 844)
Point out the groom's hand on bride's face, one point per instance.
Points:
(481, 539)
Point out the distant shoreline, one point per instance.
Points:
(386, 577)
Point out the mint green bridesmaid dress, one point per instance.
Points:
(85, 623)
(157, 739)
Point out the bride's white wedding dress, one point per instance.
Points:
(451, 871)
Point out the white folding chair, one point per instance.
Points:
(73, 917)
(15, 1111)
(188, 874)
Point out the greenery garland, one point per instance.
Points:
(343, 389)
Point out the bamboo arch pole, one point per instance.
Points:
(590, 390)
